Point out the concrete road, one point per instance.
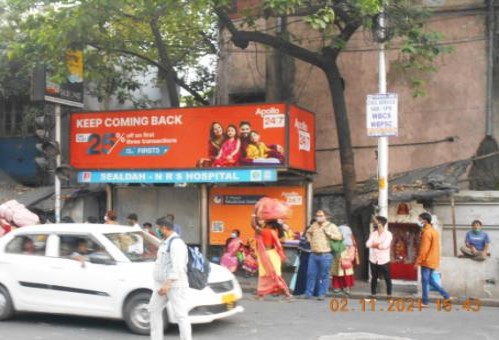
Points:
(275, 320)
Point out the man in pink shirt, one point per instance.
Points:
(379, 243)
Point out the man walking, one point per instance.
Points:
(379, 243)
(170, 282)
(320, 235)
(428, 257)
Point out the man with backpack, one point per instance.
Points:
(170, 282)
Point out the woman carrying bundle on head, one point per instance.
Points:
(269, 249)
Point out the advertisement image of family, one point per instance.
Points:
(239, 146)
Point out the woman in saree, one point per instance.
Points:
(270, 256)
(342, 269)
(229, 259)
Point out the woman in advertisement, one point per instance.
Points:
(270, 256)
(217, 138)
(215, 142)
(231, 149)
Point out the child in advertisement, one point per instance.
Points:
(259, 152)
(231, 149)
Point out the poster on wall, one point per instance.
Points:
(231, 208)
(184, 138)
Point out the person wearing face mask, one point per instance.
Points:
(379, 243)
(111, 217)
(233, 245)
(320, 259)
(477, 243)
(428, 257)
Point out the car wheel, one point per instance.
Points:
(137, 315)
(6, 307)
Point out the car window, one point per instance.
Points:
(32, 244)
(78, 246)
(137, 246)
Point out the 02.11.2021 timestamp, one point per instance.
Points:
(401, 305)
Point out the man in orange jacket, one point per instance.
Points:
(428, 257)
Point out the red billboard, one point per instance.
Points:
(184, 138)
(301, 139)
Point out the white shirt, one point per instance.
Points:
(172, 265)
(379, 255)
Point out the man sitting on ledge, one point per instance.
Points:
(477, 243)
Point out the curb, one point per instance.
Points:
(485, 302)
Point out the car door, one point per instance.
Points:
(25, 263)
(88, 285)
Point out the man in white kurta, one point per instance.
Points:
(170, 282)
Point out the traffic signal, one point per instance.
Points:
(64, 172)
(47, 147)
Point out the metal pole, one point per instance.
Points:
(310, 202)
(490, 65)
(57, 182)
(382, 143)
(204, 219)
(454, 236)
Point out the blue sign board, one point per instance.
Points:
(179, 176)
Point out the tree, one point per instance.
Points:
(337, 21)
(121, 40)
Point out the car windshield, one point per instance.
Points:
(137, 246)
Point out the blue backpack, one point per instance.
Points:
(198, 268)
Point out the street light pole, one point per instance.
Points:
(382, 141)
(57, 181)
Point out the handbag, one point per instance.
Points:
(337, 247)
(346, 263)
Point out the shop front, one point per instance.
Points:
(205, 165)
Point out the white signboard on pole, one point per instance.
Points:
(382, 114)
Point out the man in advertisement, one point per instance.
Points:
(244, 136)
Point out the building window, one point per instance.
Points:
(247, 97)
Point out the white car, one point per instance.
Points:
(42, 270)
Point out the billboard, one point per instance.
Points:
(231, 208)
(301, 139)
(68, 92)
(185, 138)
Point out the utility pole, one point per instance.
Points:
(382, 141)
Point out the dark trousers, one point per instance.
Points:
(378, 270)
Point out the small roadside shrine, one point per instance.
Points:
(173, 160)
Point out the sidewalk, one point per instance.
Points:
(362, 290)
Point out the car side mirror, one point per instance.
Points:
(102, 260)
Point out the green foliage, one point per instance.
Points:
(321, 19)
(116, 36)
(283, 7)
(420, 48)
